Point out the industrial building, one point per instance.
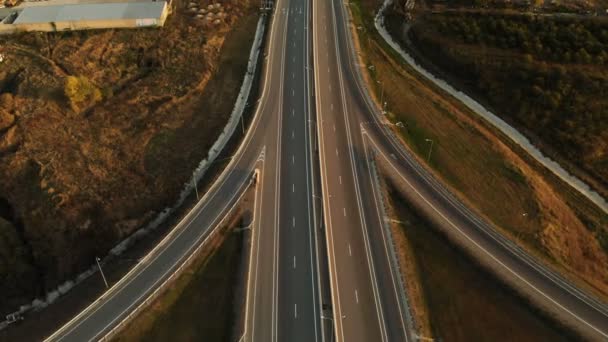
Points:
(86, 16)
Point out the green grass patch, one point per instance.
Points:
(199, 306)
(464, 301)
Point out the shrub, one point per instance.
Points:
(81, 92)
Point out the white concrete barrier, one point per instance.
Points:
(513, 134)
(214, 151)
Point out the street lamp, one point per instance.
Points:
(101, 271)
(428, 159)
(382, 96)
(195, 187)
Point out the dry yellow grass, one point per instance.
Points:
(80, 179)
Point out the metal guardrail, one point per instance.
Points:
(160, 289)
(393, 259)
(478, 222)
(393, 256)
(198, 173)
(481, 225)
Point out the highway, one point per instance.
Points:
(364, 287)
(310, 144)
(283, 301)
(367, 134)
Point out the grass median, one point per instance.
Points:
(199, 305)
(449, 286)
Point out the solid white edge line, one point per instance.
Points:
(483, 249)
(371, 265)
(196, 210)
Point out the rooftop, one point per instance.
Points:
(91, 12)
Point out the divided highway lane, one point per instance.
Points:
(365, 291)
(299, 304)
(284, 266)
(548, 289)
(286, 230)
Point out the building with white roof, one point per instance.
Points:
(88, 16)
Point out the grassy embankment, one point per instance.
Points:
(200, 304)
(451, 286)
(530, 208)
(546, 75)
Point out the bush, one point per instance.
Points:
(81, 92)
(529, 77)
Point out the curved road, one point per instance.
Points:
(285, 300)
(367, 127)
(283, 283)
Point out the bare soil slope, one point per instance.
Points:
(100, 129)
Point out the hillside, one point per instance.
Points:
(99, 130)
(548, 76)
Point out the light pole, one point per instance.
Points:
(195, 187)
(101, 271)
(382, 97)
(428, 159)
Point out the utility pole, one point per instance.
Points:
(101, 271)
(428, 159)
(382, 97)
(195, 187)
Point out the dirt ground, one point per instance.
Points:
(82, 169)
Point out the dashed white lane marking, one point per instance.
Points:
(293, 134)
(293, 92)
(330, 88)
(294, 261)
(293, 112)
(327, 69)
(340, 177)
(332, 106)
(344, 210)
(356, 296)
(295, 310)
(337, 152)
(293, 75)
(293, 221)
(350, 252)
(293, 188)
(293, 59)
(334, 128)
(293, 159)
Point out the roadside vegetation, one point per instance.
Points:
(200, 305)
(561, 6)
(100, 130)
(524, 202)
(446, 286)
(547, 75)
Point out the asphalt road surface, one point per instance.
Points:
(311, 97)
(283, 301)
(365, 291)
(370, 133)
